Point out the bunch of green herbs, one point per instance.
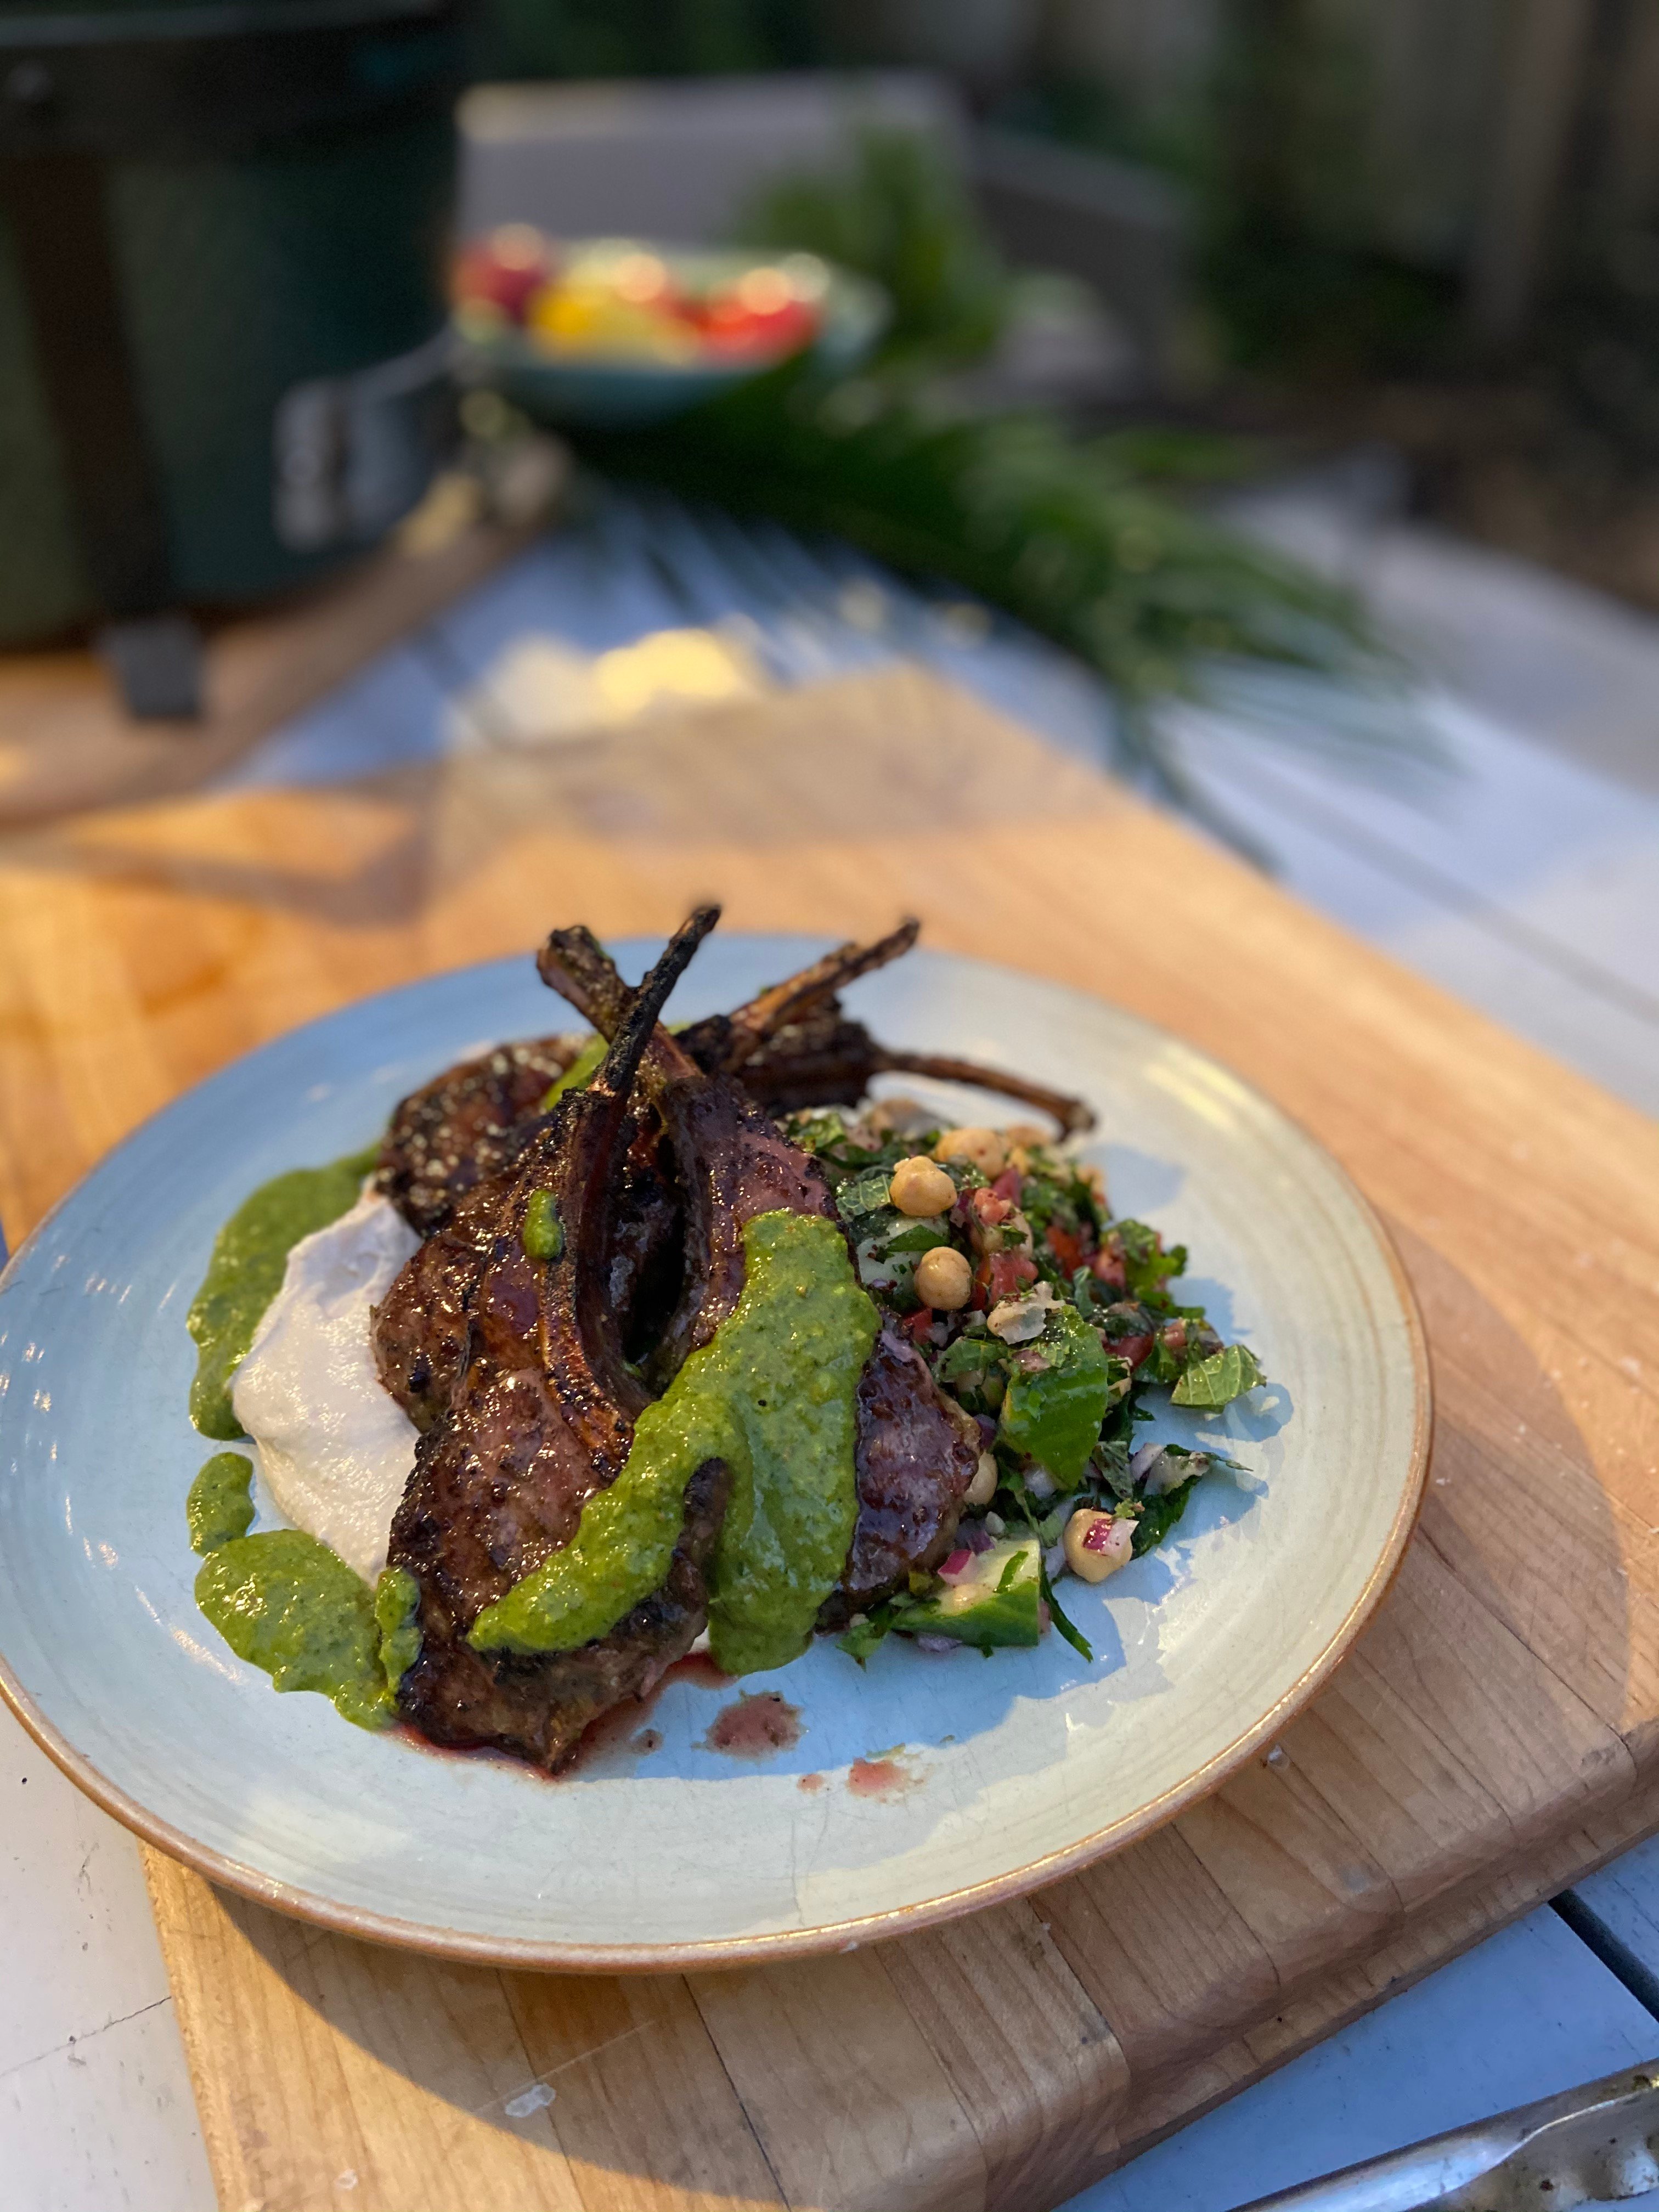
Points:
(1097, 542)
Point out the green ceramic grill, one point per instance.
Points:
(222, 238)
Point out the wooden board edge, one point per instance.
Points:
(1454, 1925)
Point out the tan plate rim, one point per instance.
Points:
(514, 1953)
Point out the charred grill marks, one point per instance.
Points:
(539, 1416)
(525, 1376)
(464, 1125)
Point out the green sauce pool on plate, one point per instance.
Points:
(286, 1603)
(245, 1272)
(774, 1395)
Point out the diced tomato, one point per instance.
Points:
(990, 1207)
(1134, 1349)
(728, 326)
(916, 1325)
(1066, 1245)
(1009, 1185)
(505, 270)
(1002, 1275)
(1106, 1266)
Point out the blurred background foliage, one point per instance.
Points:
(1095, 541)
(1433, 222)
(523, 38)
(1428, 224)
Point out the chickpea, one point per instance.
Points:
(1026, 1132)
(1097, 1544)
(984, 1148)
(919, 1188)
(983, 1488)
(944, 1278)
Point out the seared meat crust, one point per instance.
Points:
(538, 1707)
(420, 1327)
(539, 1417)
(734, 1162)
(915, 1462)
(465, 1126)
(534, 1423)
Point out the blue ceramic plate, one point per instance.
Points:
(927, 1785)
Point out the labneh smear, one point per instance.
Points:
(754, 1727)
(335, 1448)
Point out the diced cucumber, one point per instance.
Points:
(995, 1602)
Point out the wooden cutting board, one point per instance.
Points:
(1494, 1734)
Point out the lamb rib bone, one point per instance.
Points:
(916, 1454)
(540, 1417)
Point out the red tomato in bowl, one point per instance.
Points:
(505, 270)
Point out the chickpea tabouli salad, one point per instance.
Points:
(629, 1339)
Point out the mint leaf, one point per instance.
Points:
(1054, 1417)
(1160, 1515)
(1073, 1635)
(1147, 1265)
(864, 1193)
(1217, 1381)
(919, 1237)
(862, 1637)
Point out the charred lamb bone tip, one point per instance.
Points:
(1075, 1115)
(540, 1417)
(732, 1161)
(722, 1044)
(914, 1460)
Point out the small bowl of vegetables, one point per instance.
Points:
(614, 333)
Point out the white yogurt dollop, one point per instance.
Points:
(335, 1448)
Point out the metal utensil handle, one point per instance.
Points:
(1598, 2141)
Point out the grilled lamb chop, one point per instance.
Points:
(464, 1125)
(421, 1325)
(793, 1046)
(539, 1418)
(917, 1452)
(790, 1046)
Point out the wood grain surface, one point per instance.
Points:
(1492, 1735)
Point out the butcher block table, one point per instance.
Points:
(1493, 1737)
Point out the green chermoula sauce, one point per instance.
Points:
(219, 1506)
(284, 1601)
(396, 1594)
(245, 1272)
(543, 1235)
(582, 1069)
(775, 1395)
